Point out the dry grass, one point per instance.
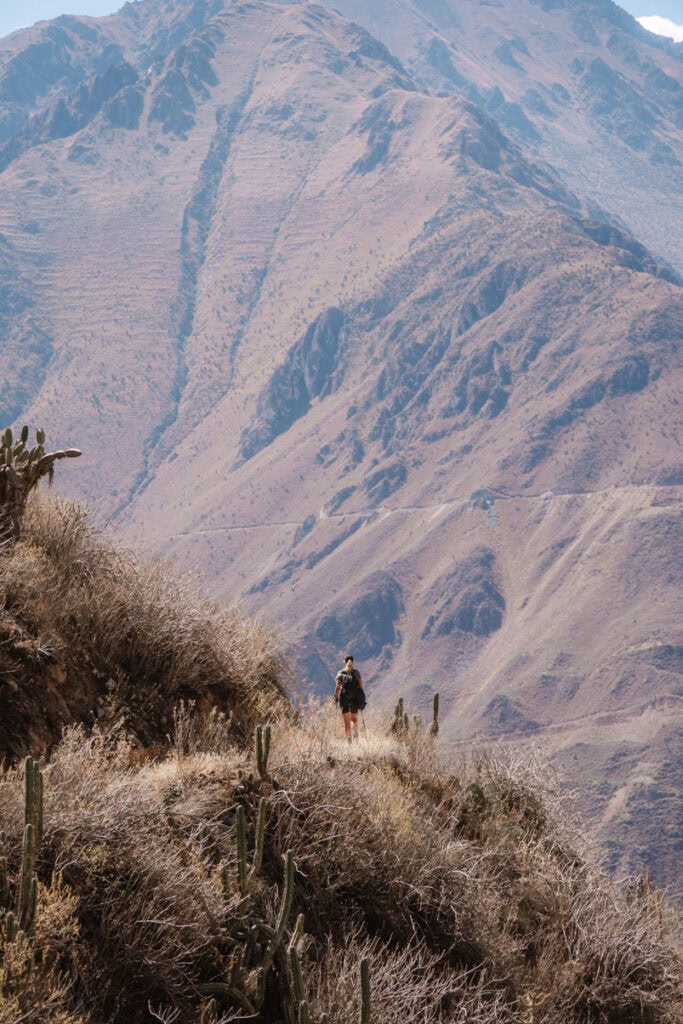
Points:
(464, 883)
(461, 882)
(86, 631)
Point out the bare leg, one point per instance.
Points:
(354, 725)
(347, 724)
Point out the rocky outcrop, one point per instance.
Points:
(187, 80)
(504, 716)
(68, 116)
(368, 623)
(307, 374)
(466, 599)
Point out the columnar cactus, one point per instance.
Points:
(244, 874)
(400, 723)
(297, 976)
(299, 1012)
(262, 750)
(33, 797)
(285, 906)
(21, 469)
(241, 828)
(28, 884)
(20, 918)
(11, 927)
(365, 991)
(260, 836)
(27, 894)
(4, 874)
(434, 727)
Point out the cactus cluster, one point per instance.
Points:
(400, 720)
(400, 723)
(248, 986)
(22, 466)
(20, 915)
(254, 961)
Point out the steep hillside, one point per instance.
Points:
(577, 82)
(292, 882)
(90, 636)
(365, 360)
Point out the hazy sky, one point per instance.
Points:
(18, 13)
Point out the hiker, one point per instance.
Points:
(350, 696)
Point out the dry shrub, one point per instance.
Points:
(33, 993)
(195, 732)
(37, 973)
(103, 814)
(616, 961)
(93, 633)
(148, 901)
(460, 881)
(480, 862)
(408, 985)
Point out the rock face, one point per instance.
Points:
(366, 625)
(578, 82)
(380, 326)
(110, 93)
(307, 373)
(466, 599)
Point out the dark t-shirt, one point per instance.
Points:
(349, 699)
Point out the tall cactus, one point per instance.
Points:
(434, 727)
(241, 828)
(285, 906)
(27, 893)
(4, 874)
(300, 1013)
(400, 723)
(21, 918)
(11, 927)
(262, 750)
(260, 836)
(21, 469)
(27, 890)
(244, 873)
(33, 797)
(297, 976)
(365, 991)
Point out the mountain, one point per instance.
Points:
(379, 349)
(577, 82)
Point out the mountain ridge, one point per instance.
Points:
(371, 363)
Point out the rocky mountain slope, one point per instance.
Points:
(338, 325)
(577, 82)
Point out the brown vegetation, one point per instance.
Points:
(87, 632)
(202, 878)
(461, 884)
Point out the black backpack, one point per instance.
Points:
(351, 688)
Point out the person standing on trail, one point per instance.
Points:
(350, 696)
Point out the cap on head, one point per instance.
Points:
(348, 657)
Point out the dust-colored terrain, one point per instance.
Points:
(335, 318)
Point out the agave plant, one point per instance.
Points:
(21, 468)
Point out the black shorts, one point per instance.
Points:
(348, 706)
